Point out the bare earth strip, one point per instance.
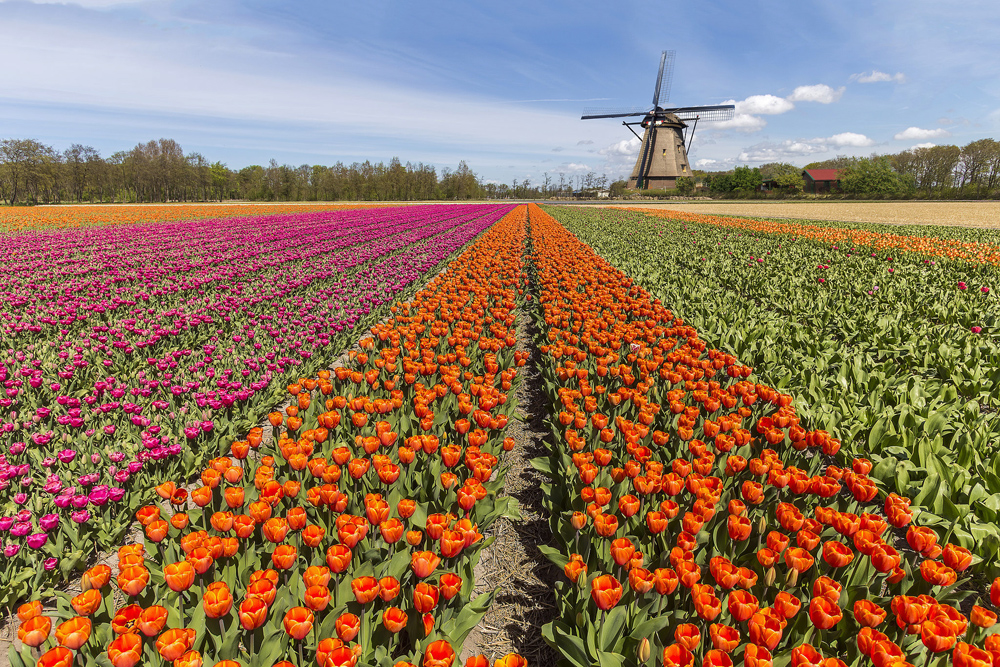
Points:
(958, 214)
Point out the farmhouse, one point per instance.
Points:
(818, 181)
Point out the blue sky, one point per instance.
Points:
(502, 84)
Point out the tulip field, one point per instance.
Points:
(282, 439)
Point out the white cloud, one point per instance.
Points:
(820, 92)
(764, 104)
(584, 142)
(920, 133)
(790, 149)
(741, 122)
(625, 147)
(574, 167)
(850, 139)
(923, 145)
(707, 163)
(876, 76)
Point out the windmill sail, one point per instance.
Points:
(661, 94)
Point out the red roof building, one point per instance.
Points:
(819, 181)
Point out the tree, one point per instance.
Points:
(774, 170)
(685, 185)
(873, 175)
(789, 182)
(746, 179)
(219, 176)
(618, 188)
(720, 182)
(979, 164)
(25, 168)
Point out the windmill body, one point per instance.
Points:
(667, 132)
(663, 156)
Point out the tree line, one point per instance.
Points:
(968, 172)
(159, 171)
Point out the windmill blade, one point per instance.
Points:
(613, 113)
(706, 113)
(665, 77)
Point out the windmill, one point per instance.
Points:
(663, 156)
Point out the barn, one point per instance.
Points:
(820, 181)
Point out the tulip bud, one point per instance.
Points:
(644, 651)
(580, 620)
(792, 578)
(762, 526)
(770, 576)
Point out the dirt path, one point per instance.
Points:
(513, 562)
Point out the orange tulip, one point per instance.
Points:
(425, 597)
(132, 580)
(298, 622)
(424, 563)
(347, 627)
(982, 617)
(756, 656)
(937, 573)
(742, 605)
(724, 638)
(676, 655)
(125, 650)
(29, 610)
(394, 619)
(151, 620)
(439, 654)
(606, 591)
(837, 554)
(96, 577)
(179, 576)
(262, 589)
(806, 656)
(937, 636)
(87, 602)
(284, 556)
(34, 631)
(193, 659)
(60, 656)
(365, 589)
(868, 614)
(74, 633)
(798, 559)
(450, 584)
(786, 606)
(175, 642)
(218, 600)
(574, 568)
(312, 536)
(957, 558)
(824, 613)
(687, 635)
(253, 613)
(317, 597)
(338, 558)
(716, 658)
(765, 630)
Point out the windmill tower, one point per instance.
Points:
(668, 132)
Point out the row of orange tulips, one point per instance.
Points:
(351, 536)
(975, 251)
(699, 521)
